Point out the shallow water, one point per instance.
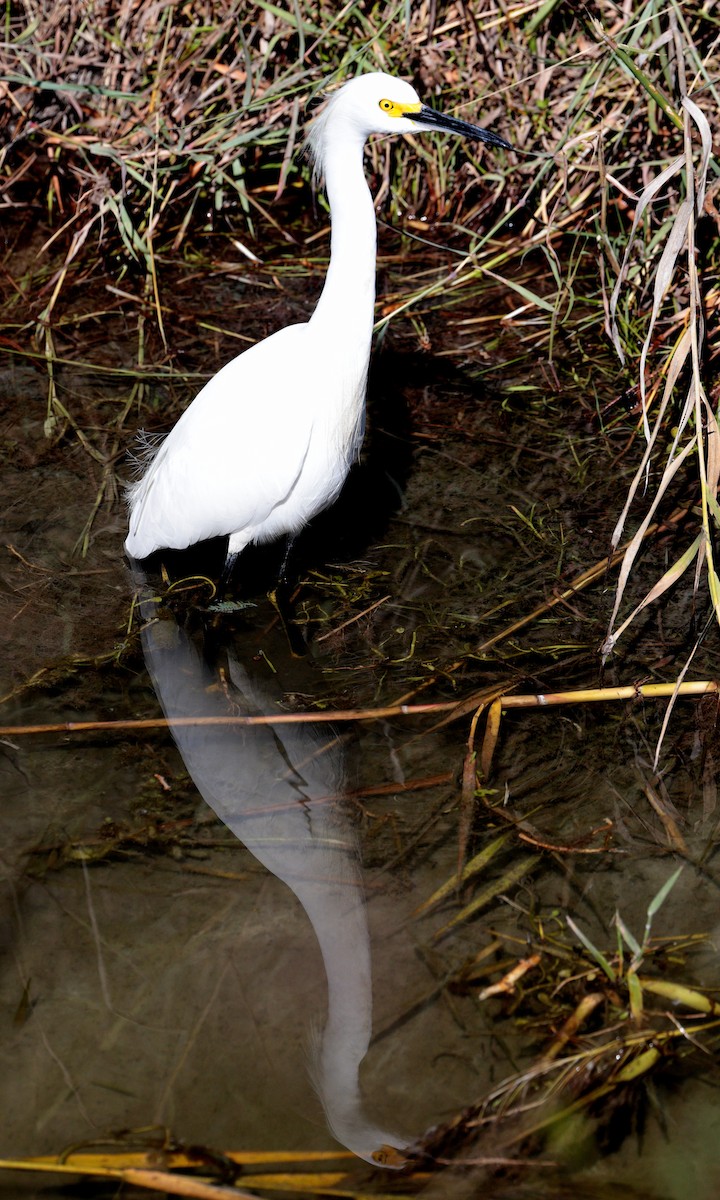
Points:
(167, 957)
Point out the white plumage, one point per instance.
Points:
(268, 442)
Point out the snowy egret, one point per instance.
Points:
(269, 440)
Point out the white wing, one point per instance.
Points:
(235, 454)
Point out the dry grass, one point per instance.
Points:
(132, 132)
(137, 130)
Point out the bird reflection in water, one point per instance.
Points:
(277, 788)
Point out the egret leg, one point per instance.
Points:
(227, 572)
(281, 598)
(289, 543)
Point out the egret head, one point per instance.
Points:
(379, 103)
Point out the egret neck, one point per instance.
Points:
(346, 306)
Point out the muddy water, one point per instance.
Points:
(216, 934)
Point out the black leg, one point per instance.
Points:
(227, 573)
(289, 543)
(281, 597)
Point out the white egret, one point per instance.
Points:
(269, 440)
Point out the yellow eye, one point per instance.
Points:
(389, 106)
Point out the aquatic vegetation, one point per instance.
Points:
(547, 333)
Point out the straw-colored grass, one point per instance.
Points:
(131, 131)
(138, 128)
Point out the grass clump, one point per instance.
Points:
(142, 129)
(605, 1025)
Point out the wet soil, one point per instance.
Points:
(155, 973)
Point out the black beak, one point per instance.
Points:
(429, 119)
